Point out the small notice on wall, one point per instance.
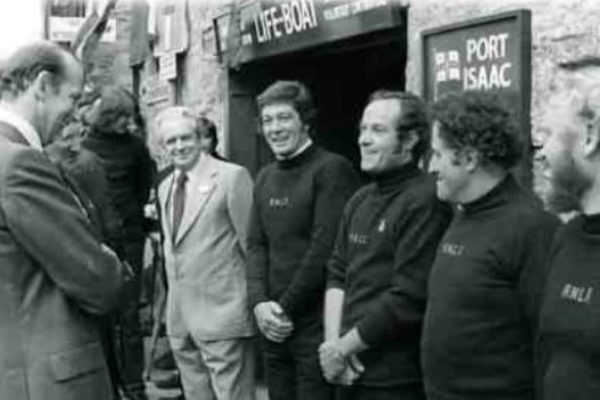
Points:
(167, 66)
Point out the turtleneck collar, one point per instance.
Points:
(107, 135)
(391, 180)
(591, 224)
(298, 159)
(498, 196)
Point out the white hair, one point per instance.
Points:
(174, 113)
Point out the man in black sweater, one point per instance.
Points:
(129, 171)
(298, 200)
(376, 287)
(570, 313)
(485, 283)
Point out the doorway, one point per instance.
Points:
(340, 76)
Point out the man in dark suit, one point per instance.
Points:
(56, 275)
(205, 206)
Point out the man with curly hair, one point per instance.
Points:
(484, 287)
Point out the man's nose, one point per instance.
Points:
(179, 144)
(364, 138)
(432, 168)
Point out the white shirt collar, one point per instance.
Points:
(299, 151)
(23, 126)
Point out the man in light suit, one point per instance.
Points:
(55, 275)
(205, 205)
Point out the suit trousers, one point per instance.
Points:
(293, 368)
(216, 369)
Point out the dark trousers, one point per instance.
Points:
(358, 392)
(292, 367)
(107, 337)
(129, 336)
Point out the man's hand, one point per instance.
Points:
(272, 321)
(337, 368)
(353, 371)
(332, 360)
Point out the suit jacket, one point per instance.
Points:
(54, 278)
(206, 262)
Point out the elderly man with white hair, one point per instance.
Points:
(205, 204)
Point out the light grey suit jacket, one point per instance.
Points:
(206, 263)
(54, 276)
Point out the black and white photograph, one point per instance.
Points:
(300, 200)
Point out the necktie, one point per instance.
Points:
(178, 203)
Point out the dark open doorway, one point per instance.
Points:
(340, 75)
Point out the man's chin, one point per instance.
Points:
(562, 202)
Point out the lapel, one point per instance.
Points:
(164, 197)
(12, 134)
(197, 196)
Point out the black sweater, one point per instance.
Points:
(570, 315)
(297, 205)
(383, 253)
(484, 292)
(129, 174)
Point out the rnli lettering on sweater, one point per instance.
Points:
(578, 294)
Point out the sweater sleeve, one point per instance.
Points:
(335, 183)
(399, 311)
(533, 246)
(336, 267)
(258, 250)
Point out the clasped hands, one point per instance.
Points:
(338, 368)
(272, 321)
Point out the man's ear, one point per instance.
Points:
(43, 85)
(591, 139)
(408, 143)
(470, 158)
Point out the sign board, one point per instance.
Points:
(167, 66)
(158, 92)
(270, 27)
(171, 27)
(490, 53)
(64, 29)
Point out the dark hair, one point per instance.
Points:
(205, 125)
(481, 121)
(114, 102)
(413, 117)
(20, 69)
(290, 92)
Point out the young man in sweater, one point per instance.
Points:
(485, 282)
(297, 204)
(570, 313)
(385, 245)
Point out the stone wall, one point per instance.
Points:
(111, 60)
(561, 30)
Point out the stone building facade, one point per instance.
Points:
(560, 30)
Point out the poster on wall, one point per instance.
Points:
(491, 53)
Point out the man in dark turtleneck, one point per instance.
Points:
(129, 172)
(484, 287)
(570, 313)
(376, 287)
(298, 200)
